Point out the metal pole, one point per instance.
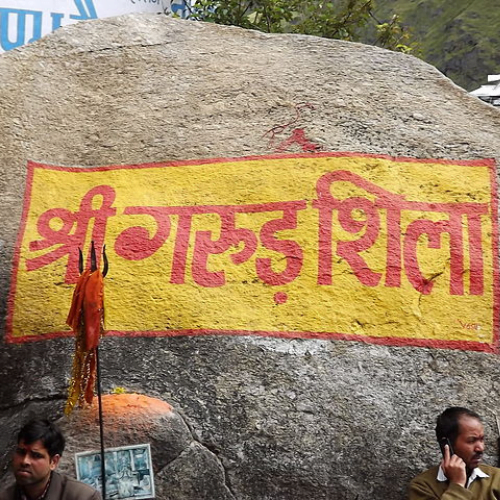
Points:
(101, 424)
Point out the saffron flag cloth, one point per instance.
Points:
(86, 319)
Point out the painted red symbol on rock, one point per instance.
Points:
(297, 135)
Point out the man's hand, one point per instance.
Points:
(454, 468)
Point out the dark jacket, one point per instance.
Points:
(61, 488)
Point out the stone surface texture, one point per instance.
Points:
(254, 418)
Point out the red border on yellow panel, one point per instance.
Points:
(398, 251)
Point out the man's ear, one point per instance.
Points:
(54, 461)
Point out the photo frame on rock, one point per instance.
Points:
(129, 471)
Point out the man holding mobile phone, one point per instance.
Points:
(460, 433)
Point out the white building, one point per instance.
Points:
(491, 92)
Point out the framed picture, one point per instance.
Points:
(129, 471)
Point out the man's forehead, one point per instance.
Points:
(470, 425)
(34, 446)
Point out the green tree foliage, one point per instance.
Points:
(340, 19)
(394, 36)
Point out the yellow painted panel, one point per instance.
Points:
(324, 245)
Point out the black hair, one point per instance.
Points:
(447, 424)
(45, 431)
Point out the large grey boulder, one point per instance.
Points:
(271, 418)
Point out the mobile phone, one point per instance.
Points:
(445, 441)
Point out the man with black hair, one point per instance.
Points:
(460, 434)
(40, 445)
